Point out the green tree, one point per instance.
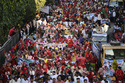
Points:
(49, 2)
(14, 12)
(30, 10)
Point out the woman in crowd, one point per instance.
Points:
(60, 49)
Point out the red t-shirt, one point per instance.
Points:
(93, 59)
(88, 56)
(11, 31)
(70, 42)
(60, 39)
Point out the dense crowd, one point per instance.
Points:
(59, 50)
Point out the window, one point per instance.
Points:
(118, 53)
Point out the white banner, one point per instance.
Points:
(107, 62)
(45, 9)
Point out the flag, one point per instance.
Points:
(14, 49)
(32, 47)
(107, 11)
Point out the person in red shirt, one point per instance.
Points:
(12, 31)
(87, 45)
(49, 53)
(60, 39)
(4, 78)
(119, 75)
(65, 40)
(88, 55)
(45, 68)
(14, 57)
(69, 56)
(93, 61)
(70, 42)
(81, 60)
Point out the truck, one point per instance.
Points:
(116, 3)
(105, 51)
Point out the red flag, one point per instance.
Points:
(107, 11)
(3, 52)
(15, 47)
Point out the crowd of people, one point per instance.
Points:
(60, 51)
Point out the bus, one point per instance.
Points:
(105, 51)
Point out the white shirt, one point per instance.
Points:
(34, 23)
(32, 72)
(16, 81)
(106, 28)
(20, 80)
(24, 36)
(33, 82)
(99, 17)
(82, 79)
(114, 14)
(24, 81)
(123, 66)
(50, 81)
(83, 32)
(75, 79)
(115, 26)
(11, 81)
(39, 22)
(54, 76)
(28, 27)
(103, 81)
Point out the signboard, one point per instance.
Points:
(96, 37)
(107, 62)
(95, 51)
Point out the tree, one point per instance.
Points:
(30, 10)
(14, 13)
(49, 2)
(39, 4)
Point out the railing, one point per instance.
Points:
(10, 43)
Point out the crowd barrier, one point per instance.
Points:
(9, 43)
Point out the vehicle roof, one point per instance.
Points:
(109, 46)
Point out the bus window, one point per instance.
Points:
(118, 53)
(109, 54)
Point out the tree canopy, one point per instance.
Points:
(49, 2)
(13, 13)
(17, 12)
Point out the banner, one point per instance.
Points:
(107, 62)
(95, 51)
(45, 9)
